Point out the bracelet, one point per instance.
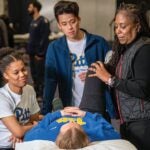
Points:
(111, 81)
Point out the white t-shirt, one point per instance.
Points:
(79, 65)
(22, 106)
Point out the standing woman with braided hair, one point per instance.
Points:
(128, 72)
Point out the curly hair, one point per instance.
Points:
(6, 61)
(137, 15)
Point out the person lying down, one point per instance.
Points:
(72, 128)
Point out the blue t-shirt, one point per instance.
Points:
(95, 126)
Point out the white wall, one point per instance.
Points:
(1, 7)
(47, 10)
(96, 15)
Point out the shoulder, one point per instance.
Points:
(100, 39)
(143, 45)
(140, 43)
(44, 19)
(58, 43)
(144, 51)
(4, 92)
(142, 54)
(96, 37)
(5, 96)
(97, 40)
(28, 89)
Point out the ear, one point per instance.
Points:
(79, 19)
(59, 26)
(35, 9)
(5, 76)
(138, 27)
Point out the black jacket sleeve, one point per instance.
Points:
(44, 32)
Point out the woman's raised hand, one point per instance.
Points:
(99, 71)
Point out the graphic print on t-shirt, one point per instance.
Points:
(79, 67)
(22, 114)
(79, 64)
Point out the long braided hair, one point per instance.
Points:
(136, 14)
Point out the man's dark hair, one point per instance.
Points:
(36, 4)
(67, 7)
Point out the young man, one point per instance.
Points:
(72, 128)
(37, 46)
(68, 57)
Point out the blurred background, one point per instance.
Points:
(96, 15)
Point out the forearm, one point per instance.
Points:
(14, 127)
(25, 128)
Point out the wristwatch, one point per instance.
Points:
(111, 81)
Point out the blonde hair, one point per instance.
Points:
(72, 139)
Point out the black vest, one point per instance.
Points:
(132, 108)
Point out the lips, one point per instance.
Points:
(120, 37)
(23, 80)
(71, 32)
